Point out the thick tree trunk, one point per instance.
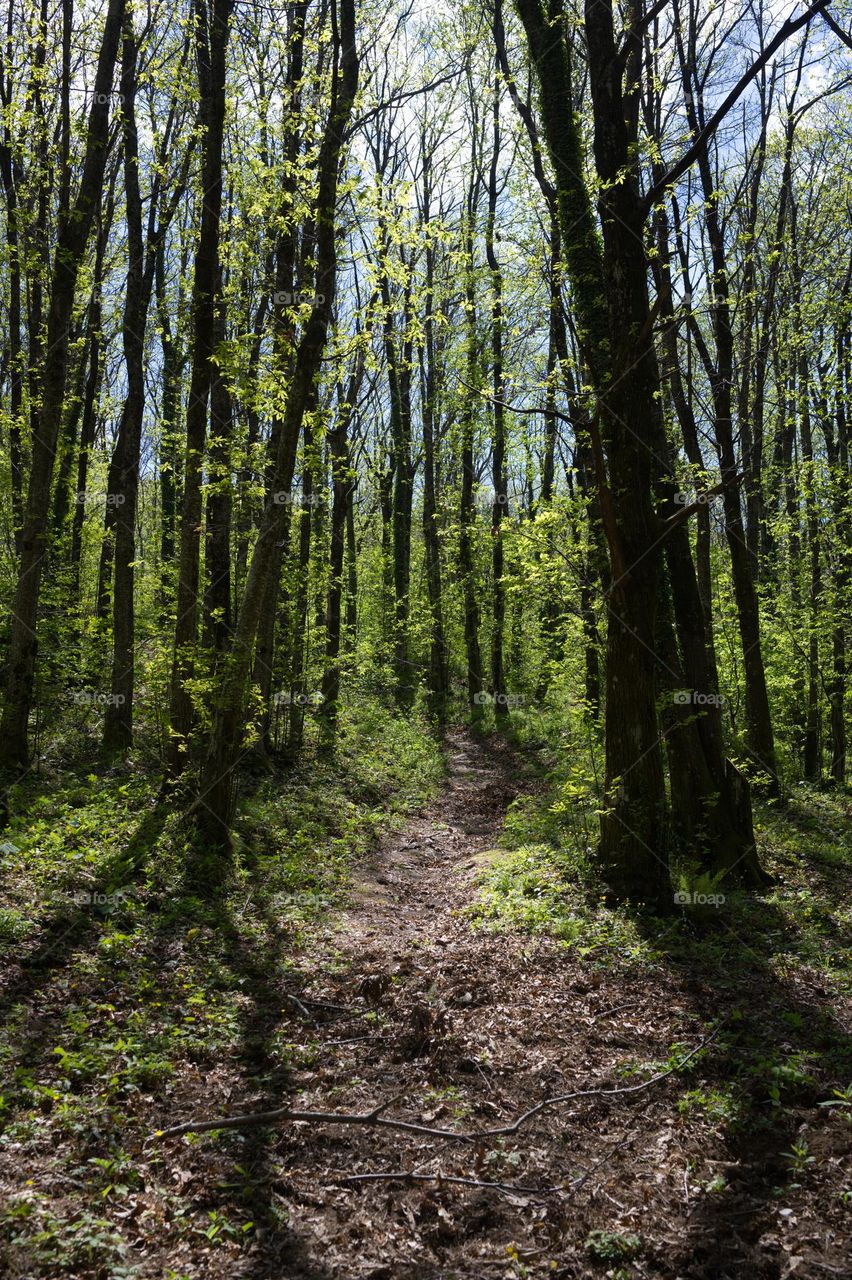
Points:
(615, 329)
(217, 596)
(124, 484)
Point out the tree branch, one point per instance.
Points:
(790, 27)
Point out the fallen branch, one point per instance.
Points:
(299, 1007)
(607, 1013)
(375, 1117)
(596, 1093)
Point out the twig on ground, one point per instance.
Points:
(596, 1093)
(375, 1116)
(607, 1013)
(310, 1117)
(579, 1183)
(403, 1175)
(299, 1007)
(325, 1004)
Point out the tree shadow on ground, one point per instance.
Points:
(255, 1189)
(782, 1051)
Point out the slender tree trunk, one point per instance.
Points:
(759, 731)
(467, 569)
(498, 453)
(351, 572)
(212, 18)
(217, 790)
(169, 453)
(10, 175)
(341, 485)
(438, 677)
(837, 448)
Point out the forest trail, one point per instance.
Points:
(402, 1000)
(408, 895)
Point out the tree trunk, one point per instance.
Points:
(498, 452)
(212, 19)
(72, 239)
(217, 790)
(438, 677)
(467, 570)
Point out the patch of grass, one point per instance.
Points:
(537, 889)
(719, 1105)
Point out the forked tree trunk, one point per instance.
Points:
(217, 788)
(615, 325)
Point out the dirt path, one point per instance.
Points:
(404, 1003)
(463, 1028)
(408, 898)
(401, 1001)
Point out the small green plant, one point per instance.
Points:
(612, 1246)
(799, 1157)
(841, 1102)
(220, 1228)
(718, 1105)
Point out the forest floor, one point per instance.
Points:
(720, 1164)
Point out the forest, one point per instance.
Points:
(426, 639)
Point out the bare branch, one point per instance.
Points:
(790, 27)
(376, 1118)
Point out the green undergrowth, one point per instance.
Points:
(762, 975)
(99, 846)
